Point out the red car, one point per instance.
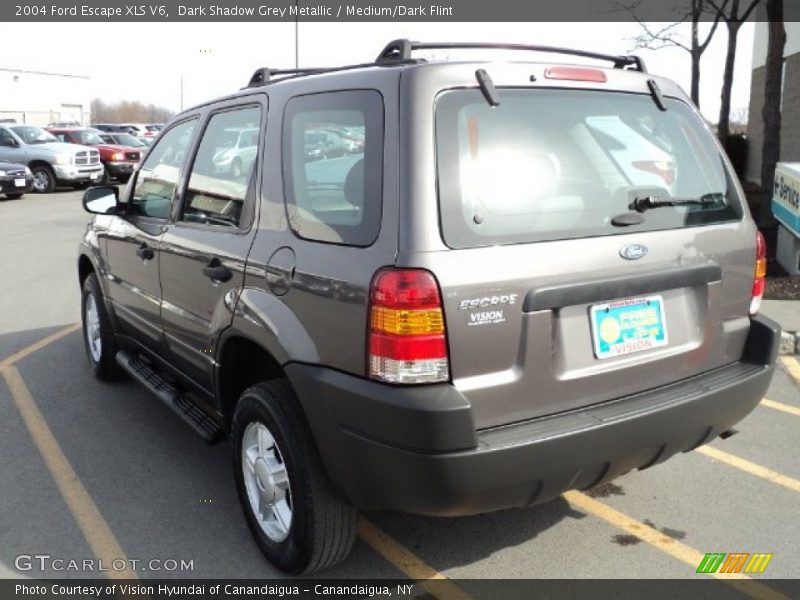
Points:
(119, 161)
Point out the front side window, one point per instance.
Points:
(333, 166)
(34, 135)
(559, 164)
(156, 181)
(6, 139)
(223, 167)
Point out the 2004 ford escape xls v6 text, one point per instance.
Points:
(520, 278)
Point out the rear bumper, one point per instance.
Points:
(416, 450)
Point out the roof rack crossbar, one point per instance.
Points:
(264, 75)
(399, 51)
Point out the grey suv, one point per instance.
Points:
(528, 278)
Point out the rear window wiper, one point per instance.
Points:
(644, 203)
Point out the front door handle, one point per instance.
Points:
(145, 252)
(217, 272)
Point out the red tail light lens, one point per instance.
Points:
(407, 340)
(759, 281)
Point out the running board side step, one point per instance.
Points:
(142, 371)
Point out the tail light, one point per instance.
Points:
(759, 281)
(407, 340)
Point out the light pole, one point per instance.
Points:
(296, 34)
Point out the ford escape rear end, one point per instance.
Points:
(521, 278)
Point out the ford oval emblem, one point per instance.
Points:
(633, 251)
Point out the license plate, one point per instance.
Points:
(627, 326)
(95, 175)
(19, 182)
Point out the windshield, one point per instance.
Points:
(34, 135)
(88, 138)
(558, 164)
(126, 139)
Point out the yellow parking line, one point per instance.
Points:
(91, 522)
(409, 563)
(16, 357)
(668, 545)
(792, 366)
(751, 467)
(792, 410)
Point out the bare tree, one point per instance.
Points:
(733, 21)
(771, 113)
(668, 36)
(128, 111)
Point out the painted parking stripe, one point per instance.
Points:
(409, 563)
(750, 467)
(668, 545)
(792, 366)
(89, 518)
(792, 410)
(99, 535)
(28, 350)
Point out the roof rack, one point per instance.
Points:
(399, 51)
(264, 75)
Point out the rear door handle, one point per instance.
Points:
(145, 252)
(216, 271)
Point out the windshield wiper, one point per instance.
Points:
(647, 202)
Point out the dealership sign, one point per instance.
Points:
(786, 196)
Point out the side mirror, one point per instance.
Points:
(101, 200)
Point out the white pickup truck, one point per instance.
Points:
(51, 161)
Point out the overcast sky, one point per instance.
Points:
(145, 61)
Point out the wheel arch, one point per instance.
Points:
(85, 268)
(241, 362)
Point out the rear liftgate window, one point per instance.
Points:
(560, 164)
(333, 165)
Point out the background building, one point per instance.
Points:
(41, 98)
(790, 104)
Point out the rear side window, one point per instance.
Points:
(560, 164)
(333, 166)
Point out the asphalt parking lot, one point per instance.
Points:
(94, 470)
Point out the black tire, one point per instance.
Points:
(323, 526)
(105, 366)
(82, 185)
(45, 174)
(14, 196)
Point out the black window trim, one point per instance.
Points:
(286, 163)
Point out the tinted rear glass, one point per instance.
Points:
(559, 164)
